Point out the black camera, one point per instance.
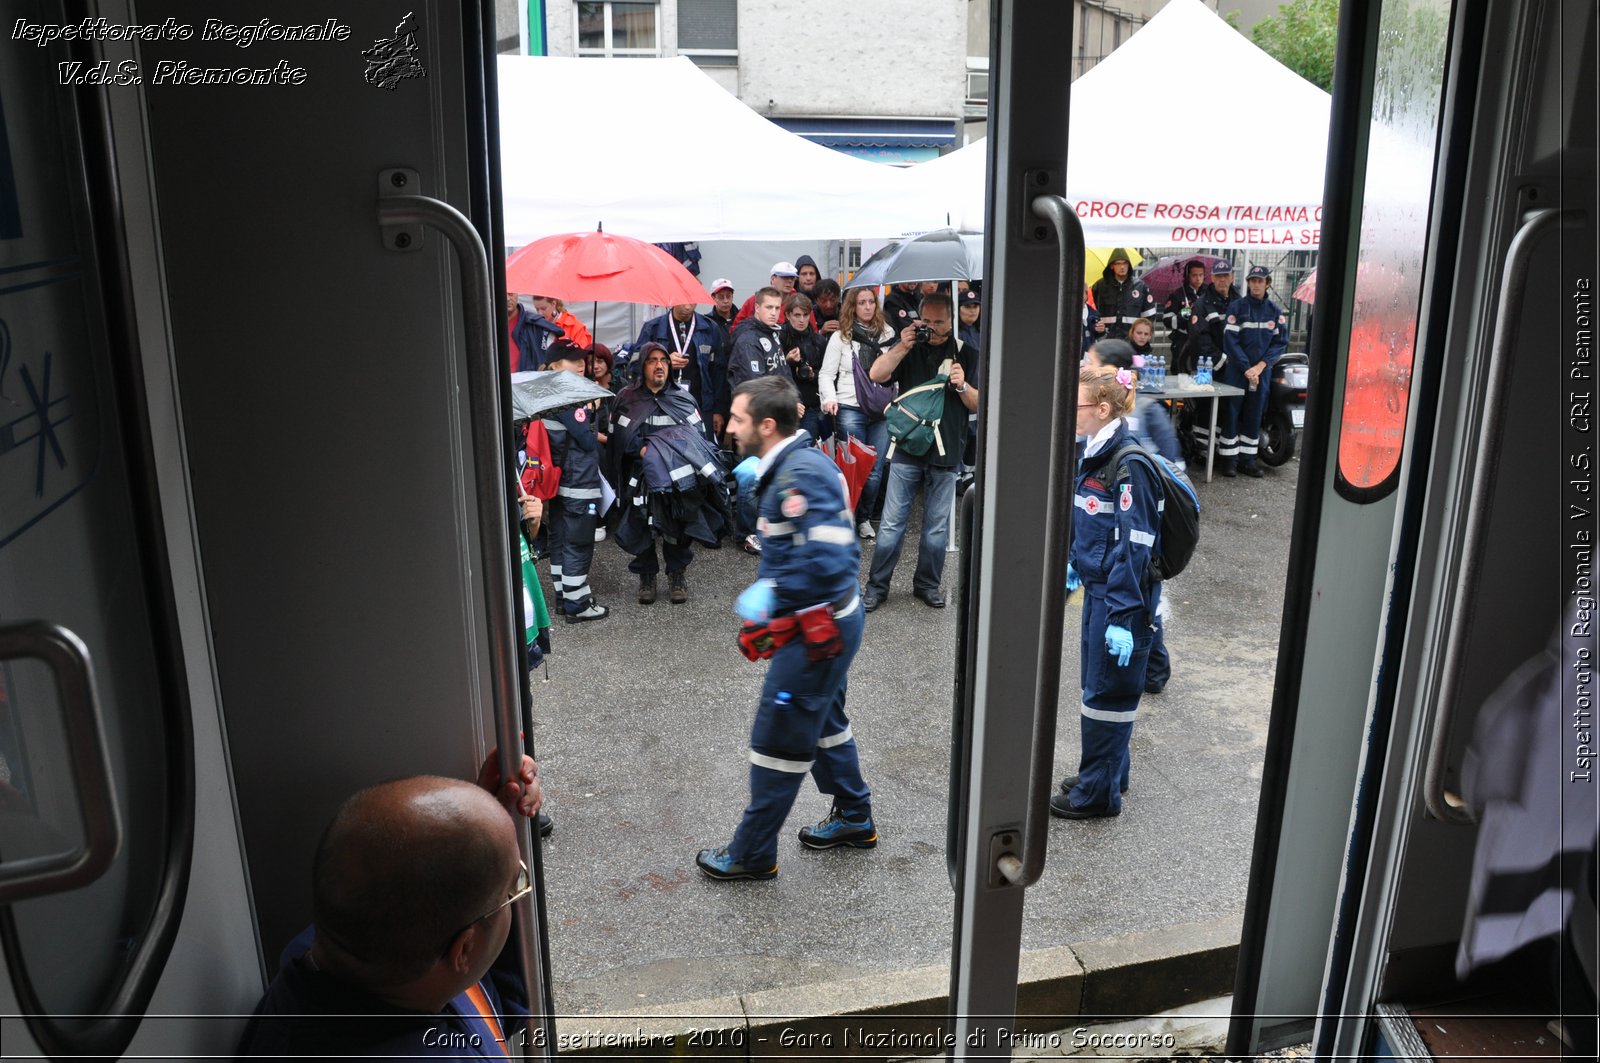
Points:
(923, 333)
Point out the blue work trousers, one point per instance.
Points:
(1239, 417)
(572, 523)
(1110, 701)
(806, 732)
(938, 487)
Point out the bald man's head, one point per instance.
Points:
(403, 868)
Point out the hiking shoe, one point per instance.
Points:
(751, 545)
(1252, 470)
(1071, 781)
(717, 864)
(855, 830)
(546, 825)
(866, 530)
(647, 589)
(871, 599)
(679, 590)
(594, 612)
(1225, 468)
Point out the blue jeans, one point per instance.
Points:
(938, 488)
(851, 421)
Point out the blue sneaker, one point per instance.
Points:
(719, 865)
(839, 828)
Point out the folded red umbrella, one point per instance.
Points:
(601, 267)
(855, 460)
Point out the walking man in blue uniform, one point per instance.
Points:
(804, 614)
(1255, 336)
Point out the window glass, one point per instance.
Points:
(1394, 224)
(708, 24)
(592, 26)
(633, 26)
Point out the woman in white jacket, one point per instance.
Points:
(863, 332)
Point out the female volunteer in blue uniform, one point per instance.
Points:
(1113, 535)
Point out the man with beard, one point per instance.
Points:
(1119, 298)
(805, 615)
(695, 345)
(642, 409)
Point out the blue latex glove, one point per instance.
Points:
(756, 601)
(1073, 582)
(1119, 643)
(745, 472)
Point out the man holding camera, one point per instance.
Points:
(926, 350)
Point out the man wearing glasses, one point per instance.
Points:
(925, 350)
(410, 953)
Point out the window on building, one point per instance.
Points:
(708, 31)
(615, 28)
(977, 80)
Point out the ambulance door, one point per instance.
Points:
(1013, 561)
(293, 268)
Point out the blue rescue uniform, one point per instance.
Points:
(576, 452)
(1114, 528)
(1257, 331)
(810, 551)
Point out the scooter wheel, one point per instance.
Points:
(1277, 438)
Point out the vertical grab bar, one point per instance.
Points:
(1485, 474)
(483, 386)
(1025, 871)
(68, 659)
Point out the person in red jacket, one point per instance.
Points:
(555, 310)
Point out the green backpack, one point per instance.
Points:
(914, 417)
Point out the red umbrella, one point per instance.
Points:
(1165, 276)
(855, 460)
(602, 267)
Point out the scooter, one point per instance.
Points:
(1286, 409)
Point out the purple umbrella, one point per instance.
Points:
(1166, 275)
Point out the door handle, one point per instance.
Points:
(68, 660)
(494, 539)
(1026, 869)
(1480, 496)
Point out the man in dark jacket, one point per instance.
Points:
(575, 511)
(531, 335)
(900, 306)
(696, 345)
(410, 955)
(806, 276)
(1120, 299)
(1179, 312)
(1210, 316)
(757, 346)
(641, 409)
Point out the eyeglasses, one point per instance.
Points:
(520, 889)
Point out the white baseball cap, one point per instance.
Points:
(719, 284)
(784, 269)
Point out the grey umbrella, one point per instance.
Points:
(550, 391)
(940, 255)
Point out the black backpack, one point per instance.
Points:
(1180, 510)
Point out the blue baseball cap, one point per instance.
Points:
(1222, 266)
(1258, 271)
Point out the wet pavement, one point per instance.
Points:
(642, 731)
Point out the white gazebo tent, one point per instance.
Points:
(1255, 178)
(622, 153)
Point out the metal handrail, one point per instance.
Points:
(1485, 474)
(1026, 869)
(484, 403)
(68, 659)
